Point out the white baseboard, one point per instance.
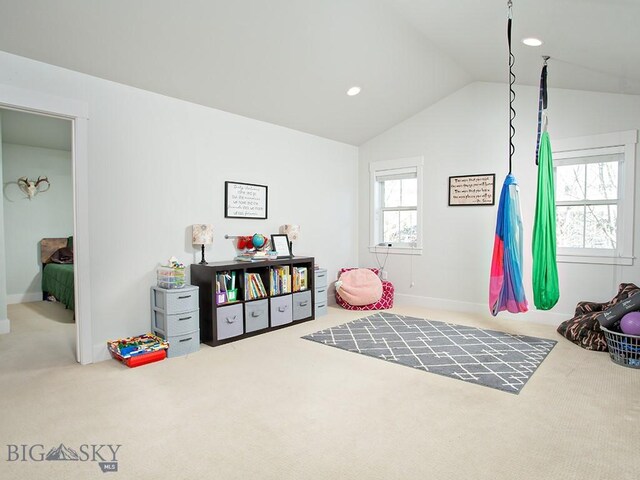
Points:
(24, 298)
(5, 326)
(536, 316)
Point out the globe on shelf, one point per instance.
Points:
(258, 240)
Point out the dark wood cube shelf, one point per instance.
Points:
(245, 316)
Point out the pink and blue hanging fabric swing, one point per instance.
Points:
(506, 289)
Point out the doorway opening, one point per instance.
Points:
(72, 307)
(38, 228)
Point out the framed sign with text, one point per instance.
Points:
(245, 200)
(472, 190)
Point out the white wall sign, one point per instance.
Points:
(245, 200)
(472, 190)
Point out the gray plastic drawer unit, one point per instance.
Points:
(321, 294)
(175, 316)
(183, 344)
(230, 321)
(281, 310)
(256, 315)
(321, 278)
(321, 286)
(321, 308)
(301, 305)
(176, 300)
(177, 324)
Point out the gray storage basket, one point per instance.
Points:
(624, 349)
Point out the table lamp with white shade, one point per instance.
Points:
(293, 232)
(202, 234)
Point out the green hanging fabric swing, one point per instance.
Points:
(546, 290)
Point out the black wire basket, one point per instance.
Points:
(624, 349)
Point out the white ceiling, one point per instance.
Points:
(593, 44)
(34, 130)
(290, 62)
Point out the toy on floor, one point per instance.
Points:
(612, 315)
(584, 329)
(171, 275)
(140, 350)
(624, 349)
(630, 323)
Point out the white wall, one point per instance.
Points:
(467, 133)
(26, 222)
(4, 322)
(158, 165)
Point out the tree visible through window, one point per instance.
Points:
(399, 209)
(587, 196)
(396, 203)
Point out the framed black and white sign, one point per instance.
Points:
(280, 244)
(470, 190)
(245, 200)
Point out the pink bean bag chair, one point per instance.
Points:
(361, 289)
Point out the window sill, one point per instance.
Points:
(395, 250)
(595, 259)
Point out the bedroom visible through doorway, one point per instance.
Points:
(37, 231)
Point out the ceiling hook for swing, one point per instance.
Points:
(509, 5)
(545, 58)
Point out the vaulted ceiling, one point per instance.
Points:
(290, 62)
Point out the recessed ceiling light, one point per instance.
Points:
(353, 91)
(532, 42)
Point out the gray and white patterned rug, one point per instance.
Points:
(486, 357)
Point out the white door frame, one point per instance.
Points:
(78, 113)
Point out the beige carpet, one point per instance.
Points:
(279, 407)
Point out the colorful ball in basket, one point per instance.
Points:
(258, 240)
(630, 323)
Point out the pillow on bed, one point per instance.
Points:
(62, 255)
(70, 243)
(360, 287)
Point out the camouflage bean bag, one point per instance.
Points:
(584, 329)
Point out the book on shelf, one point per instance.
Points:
(252, 256)
(225, 281)
(226, 291)
(280, 280)
(300, 280)
(254, 288)
(261, 290)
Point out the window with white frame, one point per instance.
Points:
(594, 179)
(396, 197)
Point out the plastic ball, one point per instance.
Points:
(249, 243)
(258, 240)
(630, 323)
(242, 243)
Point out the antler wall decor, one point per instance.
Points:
(32, 187)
